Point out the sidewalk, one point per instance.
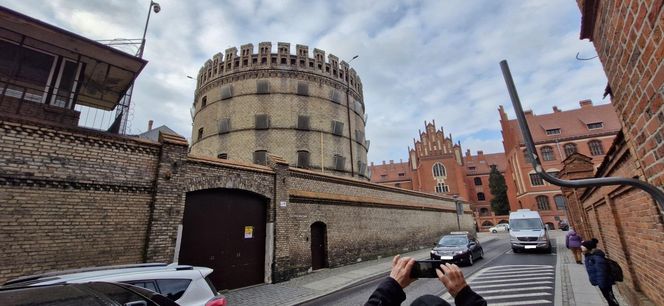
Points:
(572, 284)
(321, 282)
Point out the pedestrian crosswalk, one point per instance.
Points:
(513, 285)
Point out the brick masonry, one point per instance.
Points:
(628, 38)
(72, 197)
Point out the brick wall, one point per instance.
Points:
(71, 198)
(625, 220)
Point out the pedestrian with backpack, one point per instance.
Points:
(573, 242)
(598, 270)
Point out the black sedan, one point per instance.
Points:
(458, 248)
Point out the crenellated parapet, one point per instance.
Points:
(231, 63)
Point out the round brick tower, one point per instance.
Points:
(306, 110)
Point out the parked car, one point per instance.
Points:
(186, 285)
(458, 248)
(502, 227)
(563, 225)
(94, 293)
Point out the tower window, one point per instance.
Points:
(200, 134)
(303, 123)
(302, 89)
(303, 159)
(260, 157)
(439, 170)
(204, 101)
(262, 87)
(339, 162)
(225, 125)
(222, 156)
(262, 122)
(337, 128)
(226, 92)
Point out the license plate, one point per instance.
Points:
(530, 247)
(446, 257)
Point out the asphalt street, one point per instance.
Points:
(502, 277)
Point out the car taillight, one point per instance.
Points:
(217, 301)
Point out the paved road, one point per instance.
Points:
(499, 267)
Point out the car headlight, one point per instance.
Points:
(459, 252)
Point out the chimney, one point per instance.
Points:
(391, 161)
(467, 152)
(150, 122)
(586, 103)
(528, 112)
(480, 154)
(372, 164)
(556, 109)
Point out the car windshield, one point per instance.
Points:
(526, 224)
(453, 241)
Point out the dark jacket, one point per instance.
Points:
(573, 240)
(389, 292)
(597, 269)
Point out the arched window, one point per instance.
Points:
(547, 153)
(570, 148)
(439, 170)
(543, 203)
(487, 223)
(561, 202)
(441, 187)
(478, 181)
(200, 134)
(480, 196)
(595, 147)
(484, 211)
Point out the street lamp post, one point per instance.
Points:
(350, 130)
(157, 8)
(459, 210)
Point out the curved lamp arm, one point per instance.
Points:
(655, 192)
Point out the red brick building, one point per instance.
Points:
(588, 130)
(436, 165)
(628, 223)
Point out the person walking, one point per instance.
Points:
(573, 242)
(598, 270)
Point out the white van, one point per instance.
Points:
(528, 232)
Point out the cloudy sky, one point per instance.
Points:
(418, 60)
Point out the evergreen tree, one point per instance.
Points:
(499, 204)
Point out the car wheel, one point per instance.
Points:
(515, 250)
(481, 254)
(549, 249)
(494, 231)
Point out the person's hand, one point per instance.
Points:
(452, 277)
(401, 270)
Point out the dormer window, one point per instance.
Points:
(553, 132)
(595, 125)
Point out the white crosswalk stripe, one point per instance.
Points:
(513, 285)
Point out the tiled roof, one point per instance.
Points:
(153, 134)
(497, 159)
(390, 172)
(572, 123)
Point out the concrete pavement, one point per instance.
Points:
(572, 284)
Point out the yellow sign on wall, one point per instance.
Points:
(248, 232)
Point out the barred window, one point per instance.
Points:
(570, 148)
(361, 166)
(337, 128)
(480, 196)
(553, 132)
(478, 181)
(226, 92)
(225, 125)
(262, 122)
(260, 157)
(303, 122)
(359, 136)
(200, 134)
(542, 203)
(262, 87)
(303, 159)
(595, 147)
(302, 89)
(439, 170)
(547, 153)
(595, 125)
(204, 101)
(335, 96)
(536, 179)
(441, 187)
(339, 162)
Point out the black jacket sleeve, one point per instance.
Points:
(388, 293)
(468, 297)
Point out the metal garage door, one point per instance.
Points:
(224, 229)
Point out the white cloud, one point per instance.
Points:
(419, 60)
